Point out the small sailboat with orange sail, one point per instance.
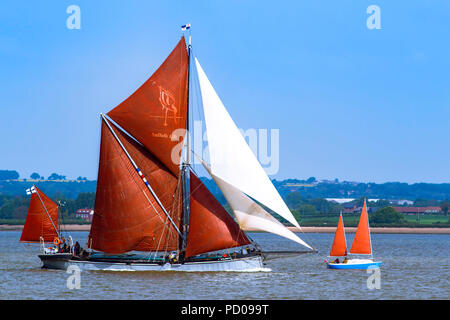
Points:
(362, 246)
(42, 225)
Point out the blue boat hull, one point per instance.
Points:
(360, 266)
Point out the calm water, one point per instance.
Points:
(414, 267)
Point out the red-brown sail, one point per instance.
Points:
(158, 107)
(210, 226)
(126, 215)
(38, 223)
(339, 248)
(164, 183)
(361, 243)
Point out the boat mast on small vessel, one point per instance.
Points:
(362, 245)
(148, 197)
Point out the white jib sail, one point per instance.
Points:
(231, 158)
(250, 215)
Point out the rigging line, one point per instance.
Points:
(306, 236)
(160, 238)
(140, 174)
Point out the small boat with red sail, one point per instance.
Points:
(42, 225)
(152, 211)
(362, 246)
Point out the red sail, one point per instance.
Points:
(361, 242)
(126, 215)
(38, 223)
(339, 248)
(164, 183)
(157, 108)
(211, 228)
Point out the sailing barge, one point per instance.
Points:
(152, 212)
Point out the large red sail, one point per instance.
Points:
(211, 228)
(38, 223)
(159, 107)
(164, 183)
(126, 215)
(361, 242)
(339, 248)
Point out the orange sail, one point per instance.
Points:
(210, 226)
(158, 108)
(361, 243)
(339, 248)
(42, 219)
(126, 216)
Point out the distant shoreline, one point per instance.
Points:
(394, 230)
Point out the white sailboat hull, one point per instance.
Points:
(250, 264)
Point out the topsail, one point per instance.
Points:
(158, 108)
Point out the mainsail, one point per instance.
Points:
(42, 219)
(361, 242)
(339, 248)
(127, 216)
(231, 159)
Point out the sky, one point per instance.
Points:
(353, 103)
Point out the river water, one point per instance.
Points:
(415, 266)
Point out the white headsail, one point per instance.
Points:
(249, 214)
(231, 159)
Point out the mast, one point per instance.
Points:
(185, 171)
(368, 227)
(345, 239)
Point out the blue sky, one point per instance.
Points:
(350, 103)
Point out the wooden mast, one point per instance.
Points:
(185, 171)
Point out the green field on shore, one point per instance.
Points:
(352, 221)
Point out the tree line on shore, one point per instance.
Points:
(14, 175)
(16, 207)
